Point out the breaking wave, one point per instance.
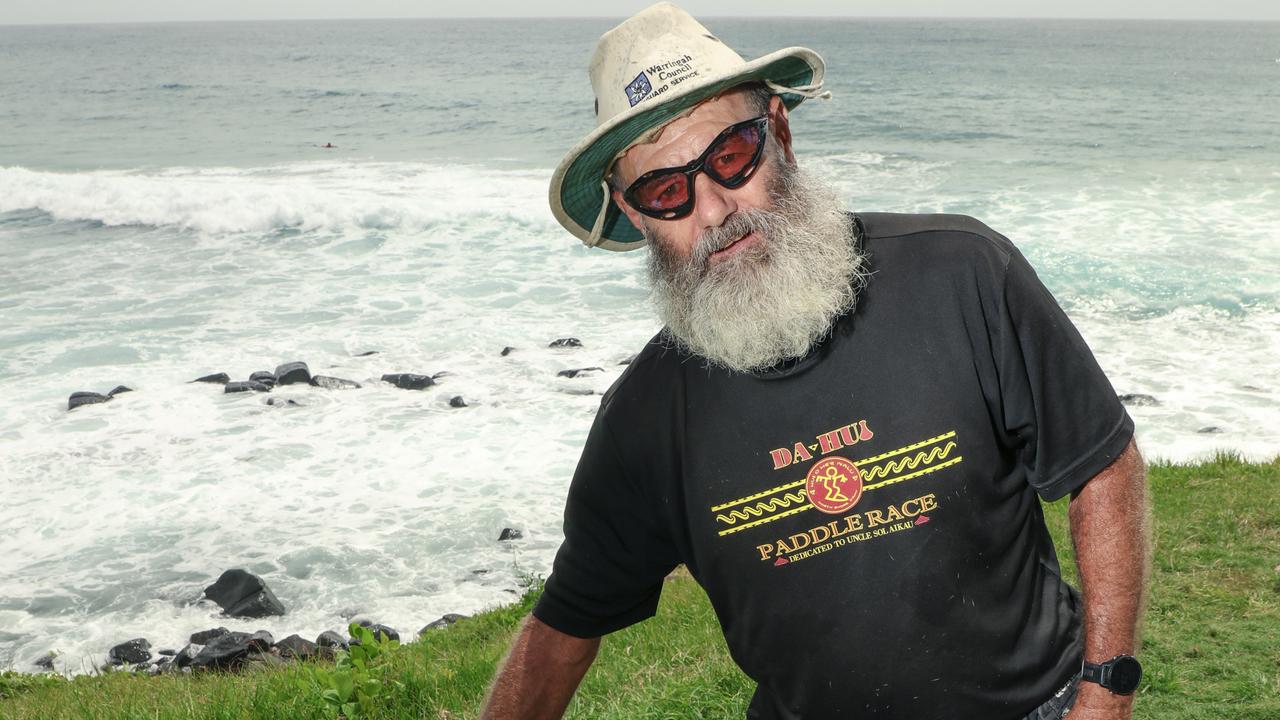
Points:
(306, 196)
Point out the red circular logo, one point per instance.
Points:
(834, 485)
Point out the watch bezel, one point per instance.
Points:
(1122, 668)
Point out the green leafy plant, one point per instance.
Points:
(355, 683)
(13, 683)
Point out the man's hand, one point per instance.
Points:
(1111, 530)
(540, 674)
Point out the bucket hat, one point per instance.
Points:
(645, 72)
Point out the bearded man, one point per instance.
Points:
(843, 430)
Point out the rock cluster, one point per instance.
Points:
(298, 373)
(242, 594)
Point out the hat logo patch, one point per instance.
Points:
(638, 89)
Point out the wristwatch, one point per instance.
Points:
(1121, 674)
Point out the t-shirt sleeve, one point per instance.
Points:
(1055, 398)
(609, 571)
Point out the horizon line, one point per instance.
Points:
(61, 23)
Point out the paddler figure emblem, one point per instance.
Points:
(834, 485)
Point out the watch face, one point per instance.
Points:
(1125, 675)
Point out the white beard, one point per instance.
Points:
(771, 301)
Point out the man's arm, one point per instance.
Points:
(1111, 530)
(539, 675)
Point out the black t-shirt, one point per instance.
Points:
(864, 520)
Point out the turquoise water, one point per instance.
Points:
(166, 211)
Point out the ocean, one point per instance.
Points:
(167, 211)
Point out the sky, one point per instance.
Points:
(97, 11)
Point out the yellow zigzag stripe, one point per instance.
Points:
(761, 508)
(918, 473)
(893, 467)
(779, 516)
(908, 448)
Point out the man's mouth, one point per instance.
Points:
(732, 248)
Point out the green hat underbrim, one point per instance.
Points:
(575, 192)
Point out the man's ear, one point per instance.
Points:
(632, 214)
(781, 126)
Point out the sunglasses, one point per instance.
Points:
(730, 160)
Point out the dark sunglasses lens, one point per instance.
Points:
(662, 192)
(734, 153)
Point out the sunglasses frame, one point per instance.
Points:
(699, 165)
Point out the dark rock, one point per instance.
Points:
(1209, 430)
(445, 621)
(243, 594)
(220, 378)
(333, 383)
(85, 398)
(629, 360)
(132, 652)
(1138, 400)
(266, 377)
(168, 652)
(225, 652)
(507, 350)
(331, 639)
(409, 381)
(45, 662)
(295, 646)
(118, 390)
(204, 636)
(457, 402)
(575, 372)
(367, 353)
(379, 631)
(262, 640)
(293, 373)
(188, 653)
(509, 534)
(264, 660)
(245, 386)
(283, 403)
(569, 342)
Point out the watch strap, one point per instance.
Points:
(1095, 673)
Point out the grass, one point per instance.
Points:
(1212, 637)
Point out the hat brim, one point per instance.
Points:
(575, 192)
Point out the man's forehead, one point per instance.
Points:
(729, 103)
(729, 100)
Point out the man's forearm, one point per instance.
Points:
(539, 675)
(1111, 531)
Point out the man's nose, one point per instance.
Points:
(712, 202)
